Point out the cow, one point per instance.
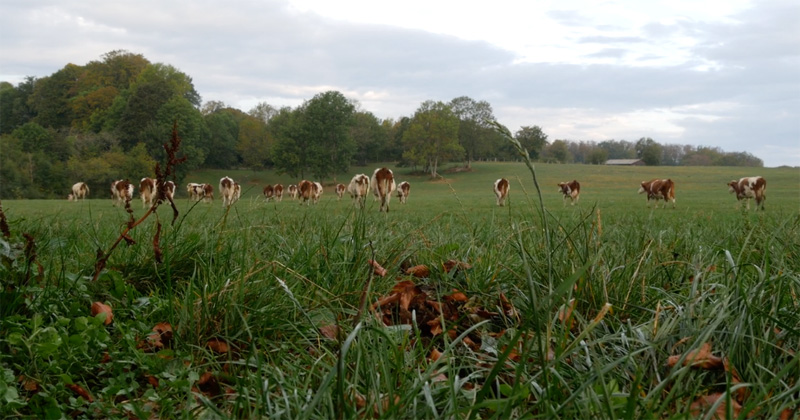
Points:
(193, 191)
(305, 191)
(227, 188)
(403, 189)
(747, 188)
(317, 190)
(383, 185)
(121, 192)
(501, 191)
(169, 190)
(278, 190)
(571, 190)
(79, 191)
(147, 190)
(658, 189)
(199, 192)
(293, 191)
(358, 189)
(237, 192)
(269, 192)
(340, 189)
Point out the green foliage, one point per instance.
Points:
(222, 140)
(475, 133)
(432, 137)
(533, 139)
(327, 120)
(649, 151)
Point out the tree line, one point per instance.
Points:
(109, 119)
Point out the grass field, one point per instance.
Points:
(606, 309)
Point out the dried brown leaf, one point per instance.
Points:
(377, 268)
(330, 331)
(456, 296)
(699, 358)
(102, 308)
(419, 271)
(702, 404)
(218, 345)
(209, 384)
(451, 264)
(435, 355)
(29, 384)
(80, 391)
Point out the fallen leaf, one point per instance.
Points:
(565, 312)
(419, 271)
(703, 403)
(217, 345)
(451, 264)
(456, 296)
(699, 358)
(407, 291)
(81, 392)
(29, 384)
(102, 308)
(209, 384)
(377, 268)
(152, 380)
(329, 331)
(435, 355)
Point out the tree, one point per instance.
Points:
(597, 156)
(370, 137)
(618, 149)
(649, 151)
(222, 139)
(558, 151)
(51, 97)
(475, 132)
(254, 144)
(263, 111)
(533, 139)
(291, 143)
(432, 137)
(327, 120)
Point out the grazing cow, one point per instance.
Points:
(658, 189)
(269, 192)
(571, 190)
(169, 190)
(317, 190)
(358, 189)
(749, 187)
(79, 191)
(278, 190)
(403, 189)
(193, 190)
(340, 189)
(121, 191)
(147, 190)
(199, 192)
(501, 191)
(305, 191)
(70, 197)
(227, 188)
(293, 191)
(383, 185)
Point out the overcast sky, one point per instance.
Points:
(720, 73)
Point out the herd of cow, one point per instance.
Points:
(382, 185)
(754, 187)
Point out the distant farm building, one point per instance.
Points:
(625, 162)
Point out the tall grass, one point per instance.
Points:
(273, 279)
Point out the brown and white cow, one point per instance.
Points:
(237, 192)
(169, 190)
(749, 187)
(79, 191)
(193, 191)
(293, 191)
(340, 189)
(658, 189)
(383, 185)
(121, 192)
(317, 192)
(403, 189)
(199, 192)
(501, 191)
(571, 190)
(269, 192)
(359, 189)
(227, 188)
(278, 190)
(305, 191)
(147, 190)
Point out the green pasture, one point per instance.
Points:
(271, 278)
